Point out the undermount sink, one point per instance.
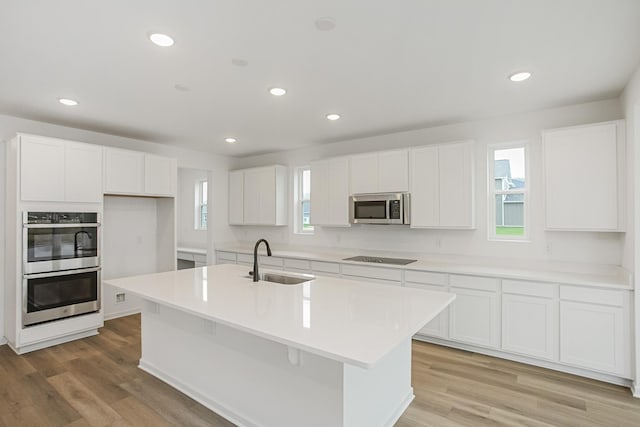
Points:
(284, 279)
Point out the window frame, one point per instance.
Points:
(492, 192)
(198, 199)
(299, 199)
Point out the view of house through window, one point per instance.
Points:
(509, 191)
(201, 206)
(303, 214)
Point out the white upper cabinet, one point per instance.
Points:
(236, 197)
(584, 177)
(380, 172)
(124, 171)
(442, 186)
(263, 196)
(139, 174)
(330, 192)
(160, 175)
(59, 171)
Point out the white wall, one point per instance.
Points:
(188, 236)
(218, 165)
(605, 248)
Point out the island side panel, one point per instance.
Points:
(378, 396)
(247, 379)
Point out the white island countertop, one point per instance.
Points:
(348, 321)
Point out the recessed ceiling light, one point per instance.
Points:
(161, 39)
(520, 77)
(239, 62)
(325, 23)
(277, 91)
(333, 116)
(230, 140)
(68, 102)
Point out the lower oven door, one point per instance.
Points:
(60, 294)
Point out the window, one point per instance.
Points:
(201, 206)
(507, 189)
(302, 210)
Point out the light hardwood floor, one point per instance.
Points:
(95, 382)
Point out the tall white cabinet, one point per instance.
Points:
(442, 180)
(330, 192)
(584, 177)
(258, 196)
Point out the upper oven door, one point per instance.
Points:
(55, 247)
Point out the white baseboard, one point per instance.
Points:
(635, 389)
(109, 316)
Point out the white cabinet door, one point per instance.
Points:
(439, 326)
(252, 187)
(473, 317)
(442, 180)
(530, 326)
(593, 336)
(393, 171)
(124, 171)
(583, 174)
(320, 193)
(330, 192)
(42, 167)
(236, 197)
(425, 211)
(83, 173)
(363, 171)
(455, 176)
(267, 196)
(160, 175)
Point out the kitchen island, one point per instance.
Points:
(326, 352)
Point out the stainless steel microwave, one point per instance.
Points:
(381, 208)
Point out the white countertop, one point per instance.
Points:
(344, 320)
(582, 274)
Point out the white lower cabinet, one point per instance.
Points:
(594, 332)
(530, 325)
(439, 326)
(474, 315)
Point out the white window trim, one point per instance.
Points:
(297, 202)
(198, 202)
(492, 193)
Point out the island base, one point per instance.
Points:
(253, 381)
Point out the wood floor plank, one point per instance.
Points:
(86, 402)
(96, 382)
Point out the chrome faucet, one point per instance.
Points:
(75, 239)
(256, 277)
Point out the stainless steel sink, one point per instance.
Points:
(285, 279)
(381, 260)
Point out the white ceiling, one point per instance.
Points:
(387, 66)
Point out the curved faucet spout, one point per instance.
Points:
(256, 276)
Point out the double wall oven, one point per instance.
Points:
(61, 265)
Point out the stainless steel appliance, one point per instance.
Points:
(381, 208)
(61, 265)
(380, 260)
(59, 294)
(55, 241)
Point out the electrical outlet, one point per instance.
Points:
(120, 297)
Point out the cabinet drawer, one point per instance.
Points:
(425, 277)
(245, 259)
(298, 264)
(594, 296)
(372, 272)
(200, 258)
(474, 282)
(534, 289)
(226, 256)
(373, 280)
(187, 256)
(325, 267)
